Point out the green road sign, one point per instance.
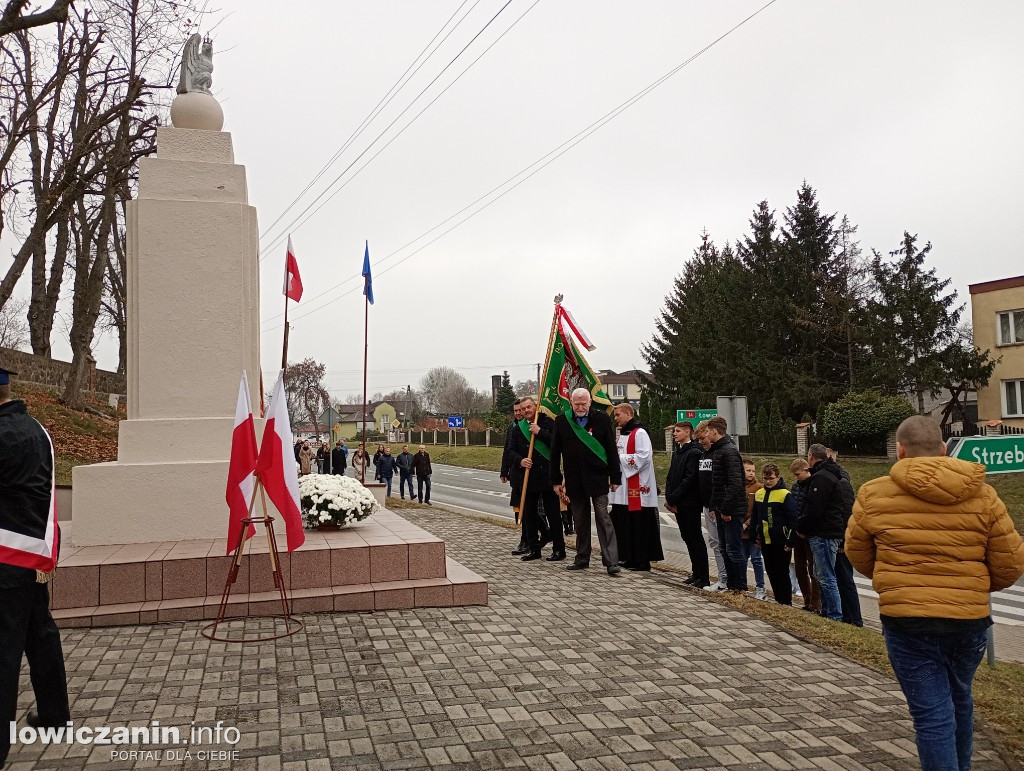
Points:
(695, 416)
(999, 454)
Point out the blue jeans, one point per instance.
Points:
(406, 477)
(935, 673)
(824, 551)
(752, 553)
(387, 480)
(848, 596)
(420, 481)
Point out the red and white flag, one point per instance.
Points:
(276, 466)
(241, 479)
(292, 282)
(565, 318)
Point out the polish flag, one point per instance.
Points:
(292, 282)
(565, 318)
(244, 453)
(276, 466)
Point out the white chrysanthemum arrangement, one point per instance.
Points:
(334, 499)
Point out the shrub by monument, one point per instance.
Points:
(330, 499)
(860, 421)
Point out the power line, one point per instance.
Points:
(382, 149)
(543, 162)
(389, 96)
(280, 239)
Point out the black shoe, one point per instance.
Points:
(614, 570)
(569, 530)
(557, 556)
(533, 555)
(622, 563)
(33, 719)
(521, 550)
(429, 503)
(576, 566)
(691, 581)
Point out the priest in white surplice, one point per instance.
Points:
(635, 502)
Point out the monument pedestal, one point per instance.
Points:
(193, 326)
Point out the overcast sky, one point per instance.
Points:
(902, 115)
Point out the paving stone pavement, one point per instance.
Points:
(562, 670)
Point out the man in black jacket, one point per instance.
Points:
(728, 505)
(588, 476)
(823, 522)
(682, 498)
(537, 482)
(508, 473)
(339, 460)
(26, 626)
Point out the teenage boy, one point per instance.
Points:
(773, 525)
(751, 551)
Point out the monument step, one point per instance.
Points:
(464, 587)
(380, 550)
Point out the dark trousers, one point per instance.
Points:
(689, 529)
(404, 478)
(730, 535)
(804, 562)
(26, 626)
(580, 506)
(776, 565)
(541, 526)
(848, 590)
(420, 481)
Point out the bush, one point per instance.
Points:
(860, 421)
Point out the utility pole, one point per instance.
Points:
(408, 397)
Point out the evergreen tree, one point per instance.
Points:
(506, 396)
(814, 356)
(699, 346)
(915, 344)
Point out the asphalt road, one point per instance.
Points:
(483, 491)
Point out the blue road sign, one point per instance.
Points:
(455, 421)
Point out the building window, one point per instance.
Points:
(618, 390)
(1013, 398)
(1011, 327)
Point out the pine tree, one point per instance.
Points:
(915, 344)
(815, 350)
(506, 396)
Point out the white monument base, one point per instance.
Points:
(193, 327)
(148, 502)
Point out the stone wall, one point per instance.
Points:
(52, 372)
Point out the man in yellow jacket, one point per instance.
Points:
(936, 540)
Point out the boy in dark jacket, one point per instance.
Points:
(773, 527)
(728, 501)
(705, 477)
(682, 498)
(386, 466)
(823, 522)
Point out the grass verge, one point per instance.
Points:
(996, 691)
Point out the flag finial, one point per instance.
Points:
(558, 299)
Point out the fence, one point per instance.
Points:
(769, 443)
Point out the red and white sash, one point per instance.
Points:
(633, 483)
(35, 553)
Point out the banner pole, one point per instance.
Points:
(536, 414)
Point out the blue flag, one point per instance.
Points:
(367, 278)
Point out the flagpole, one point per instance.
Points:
(284, 351)
(366, 357)
(536, 414)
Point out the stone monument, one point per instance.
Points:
(193, 326)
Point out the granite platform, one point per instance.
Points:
(383, 563)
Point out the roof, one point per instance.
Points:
(997, 285)
(629, 377)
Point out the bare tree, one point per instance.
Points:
(14, 20)
(13, 326)
(306, 393)
(445, 390)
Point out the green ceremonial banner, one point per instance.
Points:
(567, 370)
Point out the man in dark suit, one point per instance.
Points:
(537, 481)
(591, 470)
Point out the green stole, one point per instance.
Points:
(585, 437)
(538, 445)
